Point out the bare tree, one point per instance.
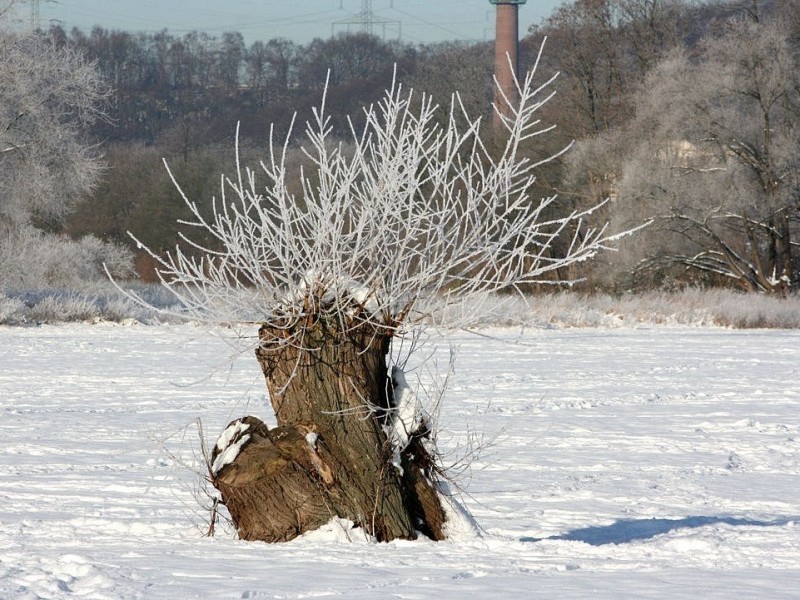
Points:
(590, 56)
(650, 29)
(48, 97)
(407, 217)
(281, 58)
(713, 152)
(604, 49)
(446, 68)
(230, 58)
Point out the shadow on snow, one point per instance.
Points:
(628, 530)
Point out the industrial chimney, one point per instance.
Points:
(506, 60)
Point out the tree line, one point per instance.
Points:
(681, 112)
(166, 84)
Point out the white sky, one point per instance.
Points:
(299, 20)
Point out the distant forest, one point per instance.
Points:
(683, 113)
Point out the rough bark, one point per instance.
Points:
(331, 382)
(274, 490)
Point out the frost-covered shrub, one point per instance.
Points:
(69, 307)
(689, 307)
(101, 302)
(748, 311)
(10, 309)
(113, 305)
(91, 257)
(30, 259)
(118, 309)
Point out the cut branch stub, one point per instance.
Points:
(317, 371)
(273, 482)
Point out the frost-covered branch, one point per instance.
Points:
(407, 211)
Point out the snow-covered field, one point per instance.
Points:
(626, 463)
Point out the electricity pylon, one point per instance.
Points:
(365, 19)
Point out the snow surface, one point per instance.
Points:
(406, 414)
(626, 463)
(311, 440)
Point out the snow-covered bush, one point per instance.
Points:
(10, 309)
(98, 302)
(31, 259)
(690, 307)
(63, 308)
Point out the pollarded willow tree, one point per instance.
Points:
(407, 216)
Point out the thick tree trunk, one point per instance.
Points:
(784, 265)
(329, 455)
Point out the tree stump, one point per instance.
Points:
(330, 455)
